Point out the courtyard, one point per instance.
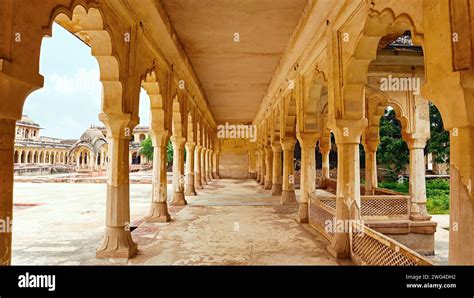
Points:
(231, 222)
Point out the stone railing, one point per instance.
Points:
(369, 247)
(372, 207)
(385, 207)
(322, 213)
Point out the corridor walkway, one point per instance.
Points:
(232, 222)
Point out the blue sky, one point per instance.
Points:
(70, 100)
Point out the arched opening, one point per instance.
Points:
(394, 143)
(67, 105)
(136, 158)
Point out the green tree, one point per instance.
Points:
(146, 148)
(393, 151)
(438, 144)
(169, 153)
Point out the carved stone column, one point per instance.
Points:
(206, 165)
(370, 148)
(258, 170)
(308, 172)
(197, 167)
(7, 143)
(190, 147)
(347, 134)
(159, 208)
(209, 164)
(178, 173)
(461, 210)
(252, 173)
(325, 167)
(215, 164)
(118, 242)
(268, 167)
(417, 182)
(262, 166)
(277, 177)
(288, 195)
(203, 166)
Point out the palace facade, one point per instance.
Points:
(35, 153)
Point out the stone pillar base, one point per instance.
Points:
(215, 175)
(276, 189)
(338, 254)
(158, 213)
(417, 217)
(190, 191)
(323, 184)
(302, 213)
(268, 185)
(198, 185)
(288, 197)
(117, 243)
(178, 199)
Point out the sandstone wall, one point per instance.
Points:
(233, 158)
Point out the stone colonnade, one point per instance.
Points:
(125, 67)
(331, 80)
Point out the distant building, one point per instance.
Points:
(88, 153)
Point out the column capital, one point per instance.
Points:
(119, 125)
(276, 147)
(268, 150)
(324, 149)
(16, 89)
(178, 141)
(348, 131)
(415, 142)
(159, 139)
(308, 139)
(288, 143)
(190, 145)
(371, 145)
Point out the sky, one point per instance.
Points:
(69, 103)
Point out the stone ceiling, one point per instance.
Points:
(234, 75)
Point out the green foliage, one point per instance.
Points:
(394, 185)
(393, 151)
(437, 193)
(169, 153)
(146, 148)
(438, 143)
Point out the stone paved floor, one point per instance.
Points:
(441, 256)
(230, 222)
